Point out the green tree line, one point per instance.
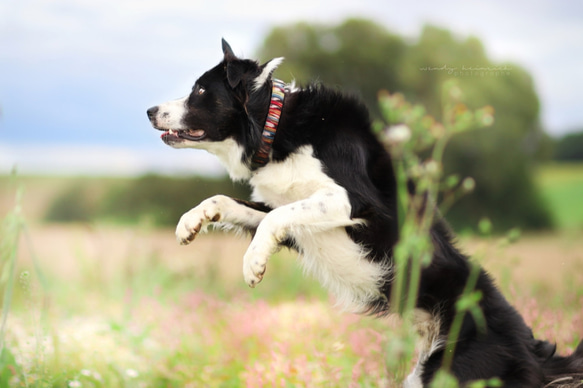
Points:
(158, 200)
(569, 148)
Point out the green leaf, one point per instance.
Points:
(485, 226)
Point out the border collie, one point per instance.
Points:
(324, 186)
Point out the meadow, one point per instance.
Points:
(102, 305)
(561, 186)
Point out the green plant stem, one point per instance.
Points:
(400, 260)
(12, 235)
(456, 325)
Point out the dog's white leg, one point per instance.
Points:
(427, 326)
(326, 209)
(220, 209)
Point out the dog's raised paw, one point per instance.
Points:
(191, 224)
(188, 227)
(253, 270)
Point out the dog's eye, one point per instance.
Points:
(200, 91)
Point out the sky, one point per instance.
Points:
(77, 76)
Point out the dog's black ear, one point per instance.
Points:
(232, 65)
(227, 50)
(235, 73)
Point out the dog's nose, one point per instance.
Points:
(152, 113)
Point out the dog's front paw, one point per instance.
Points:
(254, 265)
(195, 221)
(263, 245)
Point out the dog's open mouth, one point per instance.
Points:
(188, 134)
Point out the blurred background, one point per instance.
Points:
(100, 194)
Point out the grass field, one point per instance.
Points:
(109, 306)
(562, 187)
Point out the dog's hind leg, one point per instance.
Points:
(221, 209)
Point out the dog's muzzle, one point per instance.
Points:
(173, 136)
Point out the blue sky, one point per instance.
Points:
(76, 76)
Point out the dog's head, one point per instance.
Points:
(228, 102)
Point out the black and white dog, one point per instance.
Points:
(324, 185)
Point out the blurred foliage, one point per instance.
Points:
(364, 57)
(72, 205)
(158, 200)
(162, 200)
(570, 147)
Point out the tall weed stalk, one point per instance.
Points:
(417, 143)
(10, 230)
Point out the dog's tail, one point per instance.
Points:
(561, 371)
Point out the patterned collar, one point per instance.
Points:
(261, 156)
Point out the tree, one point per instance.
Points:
(358, 56)
(364, 57)
(499, 157)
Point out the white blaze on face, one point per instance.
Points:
(171, 113)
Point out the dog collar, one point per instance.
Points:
(261, 156)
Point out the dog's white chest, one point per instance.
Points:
(314, 210)
(296, 178)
